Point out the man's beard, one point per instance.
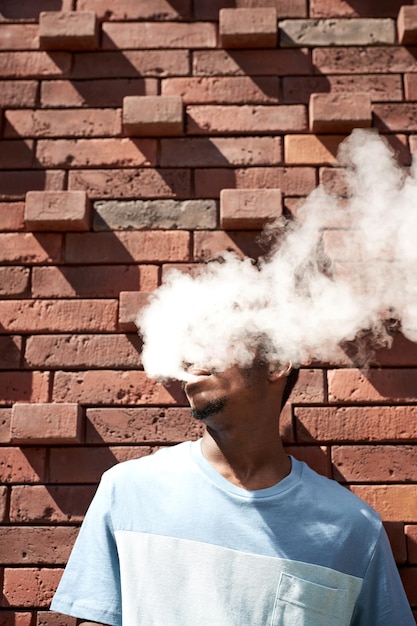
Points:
(211, 408)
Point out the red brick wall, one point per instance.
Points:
(101, 190)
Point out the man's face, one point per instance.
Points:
(230, 391)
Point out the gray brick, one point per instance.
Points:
(156, 214)
(336, 32)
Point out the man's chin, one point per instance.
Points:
(211, 408)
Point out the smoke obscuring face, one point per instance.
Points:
(342, 267)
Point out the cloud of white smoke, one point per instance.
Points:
(342, 267)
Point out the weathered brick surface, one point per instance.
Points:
(266, 121)
(154, 214)
(336, 32)
(45, 423)
(95, 281)
(248, 28)
(245, 119)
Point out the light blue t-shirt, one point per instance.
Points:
(167, 541)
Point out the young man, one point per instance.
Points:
(229, 530)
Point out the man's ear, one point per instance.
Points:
(276, 371)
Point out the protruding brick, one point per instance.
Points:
(36, 546)
(311, 149)
(248, 28)
(130, 303)
(407, 25)
(411, 537)
(46, 423)
(152, 116)
(339, 113)
(246, 209)
(68, 30)
(51, 504)
(29, 587)
(57, 210)
(395, 503)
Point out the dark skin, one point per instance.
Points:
(241, 439)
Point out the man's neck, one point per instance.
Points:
(247, 461)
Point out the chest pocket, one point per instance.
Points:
(300, 602)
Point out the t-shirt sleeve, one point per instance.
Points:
(382, 600)
(90, 586)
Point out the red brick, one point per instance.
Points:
(348, 424)
(210, 244)
(81, 352)
(104, 281)
(122, 247)
(345, 8)
(33, 64)
(336, 60)
(410, 86)
(248, 28)
(16, 154)
(386, 87)
(141, 425)
(395, 532)
(57, 123)
(12, 216)
(213, 152)
(37, 316)
(15, 185)
(411, 538)
(94, 93)
(19, 37)
(5, 417)
(27, 587)
(134, 183)
(292, 181)
(130, 303)
(192, 269)
(339, 113)
(50, 618)
(395, 503)
(132, 10)
(86, 465)
(401, 353)
(73, 153)
(375, 463)
(57, 210)
(26, 465)
(26, 248)
(245, 119)
(130, 64)
(28, 11)
(23, 387)
(68, 30)
(312, 149)
(16, 618)
(104, 387)
(10, 350)
(36, 546)
(375, 385)
(46, 423)
(249, 208)
(407, 25)
(253, 63)
(317, 458)
(14, 282)
(398, 117)
(209, 9)
(409, 580)
(51, 504)
(223, 90)
(4, 501)
(158, 35)
(152, 115)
